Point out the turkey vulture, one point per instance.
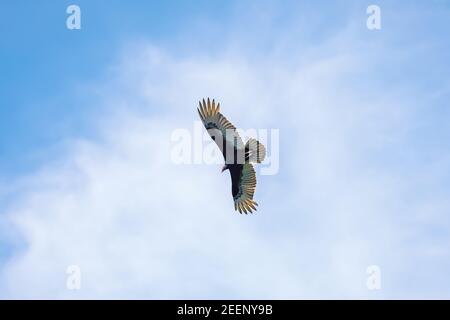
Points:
(238, 157)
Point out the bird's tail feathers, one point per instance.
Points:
(255, 151)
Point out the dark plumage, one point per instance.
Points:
(238, 157)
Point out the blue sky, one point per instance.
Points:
(35, 48)
(364, 156)
(40, 57)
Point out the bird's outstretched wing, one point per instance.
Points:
(243, 180)
(222, 131)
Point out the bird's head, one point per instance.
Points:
(225, 167)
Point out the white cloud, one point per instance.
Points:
(140, 227)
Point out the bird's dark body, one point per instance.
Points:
(235, 172)
(234, 157)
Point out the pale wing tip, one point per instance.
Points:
(246, 208)
(208, 109)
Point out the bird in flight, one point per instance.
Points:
(238, 157)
